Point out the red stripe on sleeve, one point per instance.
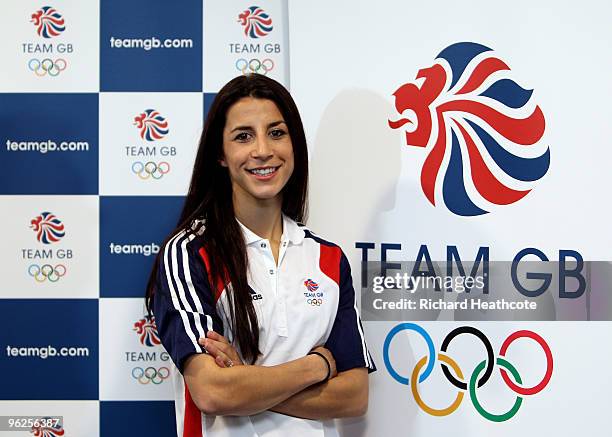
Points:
(329, 262)
(218, 283)
(192, 421)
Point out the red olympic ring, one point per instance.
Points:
(549, 362)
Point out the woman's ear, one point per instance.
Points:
(222, 161)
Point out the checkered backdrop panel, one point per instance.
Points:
(101, 108)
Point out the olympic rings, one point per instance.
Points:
(47, 66)
(255, 66)
(415, 391)
(150, 169)
(495, 417)
(476, 380)
(490, 360)
(432, 354)
(315, 302)
(47, 272)
(150, 374)
(549, 363)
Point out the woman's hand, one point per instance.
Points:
(330, 359)
(224, 353)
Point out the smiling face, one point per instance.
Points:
(257, 151)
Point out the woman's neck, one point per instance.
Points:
(264, 218)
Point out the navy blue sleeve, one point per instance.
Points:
(346, 340)
(184, 304)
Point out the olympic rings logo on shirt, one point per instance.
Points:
(255, 66)
(314, 302)
(47, 272)
(477, 379)
(150, 374)
(150, 169)
(47, 66)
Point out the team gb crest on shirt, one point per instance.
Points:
(313, 295)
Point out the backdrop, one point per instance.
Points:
(455, 139)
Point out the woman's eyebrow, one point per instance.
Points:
(242, 128)
(250, 128)
(276, 123)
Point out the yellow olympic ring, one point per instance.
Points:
(415, 391)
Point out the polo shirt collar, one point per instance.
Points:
(291, 232)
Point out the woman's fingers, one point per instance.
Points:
(213, 349)
(224, 362)
(222, 352)
(216, 336)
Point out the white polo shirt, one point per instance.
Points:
(305, 300)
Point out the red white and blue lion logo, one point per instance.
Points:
(311, 285)
(151, 125)
(49, 229)
(481, 130)
(256, 22)
(147, 331)
(48, 22)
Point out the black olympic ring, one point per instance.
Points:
(490, 357)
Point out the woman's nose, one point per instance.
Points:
(262, 148)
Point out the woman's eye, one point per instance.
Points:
(277, 133)
(242, 136)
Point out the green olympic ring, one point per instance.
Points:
(490, 416)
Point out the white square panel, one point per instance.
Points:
(148, 142)
(63, 57)
(133, 365)
(52, 246)
(244, 37)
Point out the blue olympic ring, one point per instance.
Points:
(432, 353)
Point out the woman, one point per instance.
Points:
(239, 281)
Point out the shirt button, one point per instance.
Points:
(271, 271)
(263, 245)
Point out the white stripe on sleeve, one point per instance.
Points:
(173, 294)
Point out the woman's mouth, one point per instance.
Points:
(264, 173)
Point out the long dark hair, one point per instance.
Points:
(210, 198)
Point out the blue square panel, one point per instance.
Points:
(49, 143)
(132, 230)
(150, 45)
(208, 100)
(137, 419)
(49, 349)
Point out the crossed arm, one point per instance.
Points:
(295, 388)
